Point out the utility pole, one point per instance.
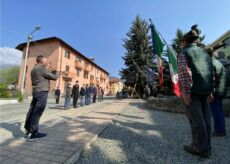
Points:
(30, 37)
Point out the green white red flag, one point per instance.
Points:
(174, 71)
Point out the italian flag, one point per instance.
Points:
(158, 49)
(174, 71)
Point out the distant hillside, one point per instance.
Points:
(4, 66)
(9, 57)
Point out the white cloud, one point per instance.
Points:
(10, 56)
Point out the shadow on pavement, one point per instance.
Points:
(14, 129)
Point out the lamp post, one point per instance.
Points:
(30, 37)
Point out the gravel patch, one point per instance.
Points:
(141, 135)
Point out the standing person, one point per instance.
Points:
(40, 77)
(57, 95)
(75, 94)
(67, 96)
(216, 100)
(82, 94)
(87, 95)
(91, 93)
(99, 94)
(102, 94)
(196, 79)
(94, 94)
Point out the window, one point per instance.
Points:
(78, 59)
(91, 77)
(67, 68)
(86, 75)
(67, 54)
(78, 71)
(91, 68)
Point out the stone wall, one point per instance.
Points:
(175, 104)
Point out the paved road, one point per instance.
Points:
(12, 117)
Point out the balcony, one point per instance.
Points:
(69, 75)
(78, 64)
(87, 68)
(103, 77)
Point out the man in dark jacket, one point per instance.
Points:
(195, 72)
(40, 78)
(216, 100)
(94, 94)
(67, 96)
(75, 94)
(82, 94)
(57, 95)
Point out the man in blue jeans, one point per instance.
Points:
(40, 77)
(216, 100)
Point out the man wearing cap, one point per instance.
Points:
(196, 80)
(75, 94)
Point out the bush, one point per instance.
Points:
(4, 93)
(20, 96)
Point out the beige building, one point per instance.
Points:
(62, 57)
(115, 85)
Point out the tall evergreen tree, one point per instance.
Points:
(176, 42)
(138, 55)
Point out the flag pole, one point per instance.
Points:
(151, 23)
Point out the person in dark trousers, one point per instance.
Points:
(216, 99)
(94, 94)
(91, 93)
(67, 96)
(195, 72)
(99, 94)
(102, 94)
(75, 94)
(57, 95)
(82, 94)
(87, 95)
(40, 77)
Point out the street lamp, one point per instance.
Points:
(30, 37)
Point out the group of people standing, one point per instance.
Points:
(87, 94)
(202, 80)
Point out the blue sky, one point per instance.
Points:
(97, 27)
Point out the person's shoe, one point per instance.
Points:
(27, 134)
(36, 135)
(219, 134)
(193, 150)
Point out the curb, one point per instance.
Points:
(76, 155)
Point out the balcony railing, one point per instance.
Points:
(69, 75)
(78, 64)
(87, 68)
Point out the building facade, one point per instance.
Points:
(62, 57)
(115, 85)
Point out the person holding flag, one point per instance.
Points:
(195, 72)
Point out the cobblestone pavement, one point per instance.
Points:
(141, 135)
(69, 132)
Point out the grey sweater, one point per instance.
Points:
(40, 77)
